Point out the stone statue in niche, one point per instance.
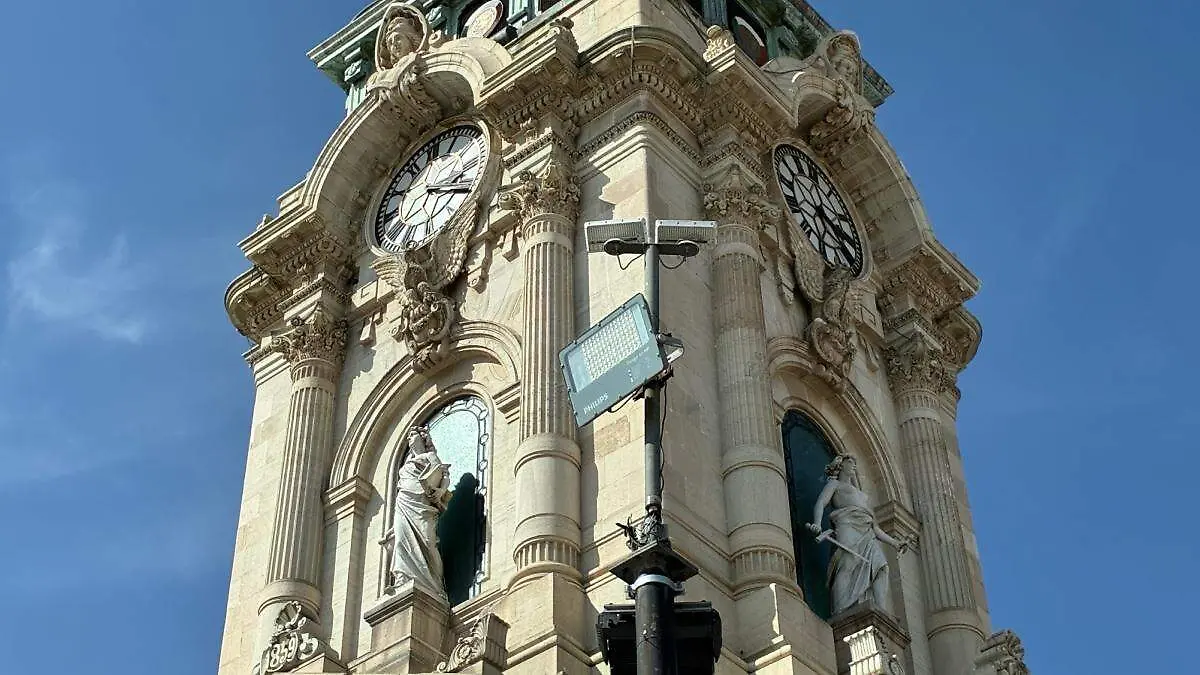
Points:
(422, 493)
(858, 571)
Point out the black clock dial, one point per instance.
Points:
(430, 187)
(818, 208)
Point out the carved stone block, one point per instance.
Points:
(869, 641)
(408, 629)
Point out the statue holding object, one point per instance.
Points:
(422, 493)
(858, 571)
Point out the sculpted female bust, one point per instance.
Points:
(422, 493)
(858, 571)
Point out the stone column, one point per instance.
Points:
(918, 377)
(345, 542)
(546, 470)
(755, 476)
(315, 348)
(949, 401)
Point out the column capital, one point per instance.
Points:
(1002, 654)
(319, 336)
(552, 190)
(730, 198)
(914, 364)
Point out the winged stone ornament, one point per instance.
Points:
(808, 267)
(422, 274)
(832, 332)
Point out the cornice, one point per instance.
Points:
(931, 280)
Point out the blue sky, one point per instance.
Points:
(1052, 142)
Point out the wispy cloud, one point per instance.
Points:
(63, 271)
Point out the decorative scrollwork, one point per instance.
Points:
(847, 122)
(470, 647)
(289, 645)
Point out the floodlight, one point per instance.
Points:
(611, 360)
(599, 232)
(697, 231)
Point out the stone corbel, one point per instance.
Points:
(960, 334)
(869, 641)
(846, 123)
(534, 105)
(483, 643)
(718, 42)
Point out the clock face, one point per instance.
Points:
(818, 208)
(430, 187)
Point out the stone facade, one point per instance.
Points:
(592, 110)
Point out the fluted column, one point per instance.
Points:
(918, 378)
(548, 458)
(753, 469)
(314, 348)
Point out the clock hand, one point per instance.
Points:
(448, 187)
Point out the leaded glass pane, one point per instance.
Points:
(461, 432)
(807, 451)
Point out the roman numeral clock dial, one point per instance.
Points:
(818, 209)
(430, 187)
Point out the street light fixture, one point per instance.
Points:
(653, 571)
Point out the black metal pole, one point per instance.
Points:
(653, 414)
(652, 599)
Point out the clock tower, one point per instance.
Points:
(418, 497)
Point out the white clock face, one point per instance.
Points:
(430, 187)
(818, 209)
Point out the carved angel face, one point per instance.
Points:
(845, 61)
(401, 37)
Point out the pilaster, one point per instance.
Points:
(345, 544)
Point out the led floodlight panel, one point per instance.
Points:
(611, 360)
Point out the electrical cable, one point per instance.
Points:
(662, 453)
(625, 267)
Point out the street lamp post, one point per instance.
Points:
(653, 571)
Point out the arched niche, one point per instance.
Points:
(851, 425)
(402, 390)
(460, 423)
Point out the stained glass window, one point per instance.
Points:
(806, 452)
(461, 432)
